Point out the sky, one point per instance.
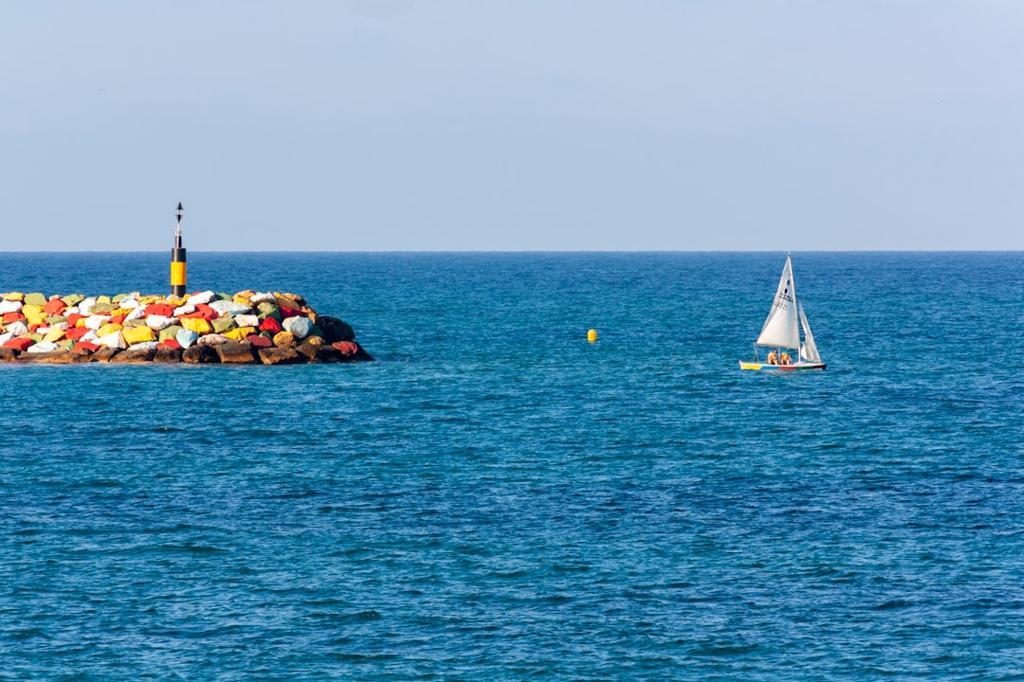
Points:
(380, 125)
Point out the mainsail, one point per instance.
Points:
(809, 351)
(781, 329)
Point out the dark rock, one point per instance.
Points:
(8, 355)
(281, 356)
(167, 355)
(308, 350)
(195, 355)
(104, 354)
(236, 353)
(328, 354)
(57, 357)
(335, 329)
(134, 356)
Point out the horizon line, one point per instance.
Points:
(513, 251)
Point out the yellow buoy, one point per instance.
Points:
(592, 335)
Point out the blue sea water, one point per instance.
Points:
(495, 499)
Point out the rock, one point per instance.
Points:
(335, 329)
(284, 340)
(212, 340)
(236, 353)
(159, 322)
(42, 347)
(169, 333)
(186, 337)
(108, 329)
(281, 356)
(298, 326)
(105, 354)
(201, 297)
(270, 325)
(247, 320)
(267, 309)
(53, 357)
(259, 341)
(99, 308)
(17, 328)
(166, 354)
(35, 299)
(72, 299)
(54, 306)
(85, 347)
(199, 355)
(137, 335)
(8, 355)
(328, 355)
(223, 324)
(158, 309)
(10, 306)
(112, 340)
(53, 334)
(197, 325)
(135, 354)
(351, 351)
(240, 333)
(230, 308)
(315, 340)
(308, 350)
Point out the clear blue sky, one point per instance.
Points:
(487, 125)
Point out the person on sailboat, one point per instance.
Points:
(772, 358)
(785, 359)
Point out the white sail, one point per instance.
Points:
(781, 329)
(809, 351)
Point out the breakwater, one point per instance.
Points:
(248, 327)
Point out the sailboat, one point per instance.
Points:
(781, 331)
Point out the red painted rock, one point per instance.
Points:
(21, 344)
(76, 333)
(289, 312)
(54, 306)
(12, 317)
(73, 319)
(346, 348)
(259, 341)
(85, 347)
(170, 343)
(161, 309)
(116, 319)
(270, 325)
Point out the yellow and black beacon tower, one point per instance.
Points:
(178, 275)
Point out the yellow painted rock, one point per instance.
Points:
(315, 340)
(103, 299)
(239, 333)
(108, 329)
(54, 335)
(284, 340)
(34, 314)
(14, 296)
(134, 335)
(197, 325)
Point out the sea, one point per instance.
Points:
(495, 498)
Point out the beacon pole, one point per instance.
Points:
(178, 275)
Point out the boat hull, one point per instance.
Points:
(765, 367)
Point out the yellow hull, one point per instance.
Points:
(758, 366)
